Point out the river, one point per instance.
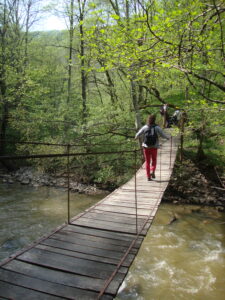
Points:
(28, 213)
(183, 260)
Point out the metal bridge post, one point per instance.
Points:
(68, 184)
(135, 188)
(160, 157)
(171, 146)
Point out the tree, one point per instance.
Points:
(16, 19)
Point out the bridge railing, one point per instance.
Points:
(67, 153)
(139, 227)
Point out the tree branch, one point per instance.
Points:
(153, 91)
(219, 86)
(204, 96)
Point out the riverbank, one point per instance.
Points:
(190, 184)
(29, 176)
(193, 183)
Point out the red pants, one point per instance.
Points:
(150, 157)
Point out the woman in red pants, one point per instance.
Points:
(150, 144)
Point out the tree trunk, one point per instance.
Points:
(29, 4)
(181, 126)
(3, 127)
(136, 110)
(135, 104)
(71, 33)
(112, 90)
(200, 152)
(3, 86)
(82, 53)
(83, 73)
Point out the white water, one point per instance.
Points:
(184, 260)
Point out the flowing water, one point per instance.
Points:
(28, 213)
(183, 260)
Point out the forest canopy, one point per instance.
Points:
(93, 84)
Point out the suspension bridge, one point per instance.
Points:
(89, 256)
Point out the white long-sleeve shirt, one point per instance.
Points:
(159, 132)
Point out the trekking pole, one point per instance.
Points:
(68, 184)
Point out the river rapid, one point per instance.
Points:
(181, 260)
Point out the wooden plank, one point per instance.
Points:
(126, 199)
(125, 210)
(45, 286)
(147, 194)
(115, 225)
(17, 293)
(64, 263)
(113, 217)
(143, 189)
(107, 226)
(84, 250)
(126, 202)
(145, 185)
(99, 246)
(146, 228)
(102, 239)
(82, 255)
(101, 233)
(142, 195)
(68, 279)
(129, 204)
(95, 243)
(121, 196)
(117, 214)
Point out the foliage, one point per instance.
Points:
(125, 59)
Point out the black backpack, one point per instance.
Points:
(150, 136)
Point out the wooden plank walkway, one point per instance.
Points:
(89, 258)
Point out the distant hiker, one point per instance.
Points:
(150, 144)
(165, 114)
(176, 117)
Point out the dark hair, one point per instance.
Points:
(151, 119)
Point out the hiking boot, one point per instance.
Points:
(153, 175)
(149, 179)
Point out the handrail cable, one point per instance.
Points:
(62, 154)
(64, 145)
(64, 122)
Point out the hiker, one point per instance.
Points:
(164, 112)
(150, 144)
(176, 117)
